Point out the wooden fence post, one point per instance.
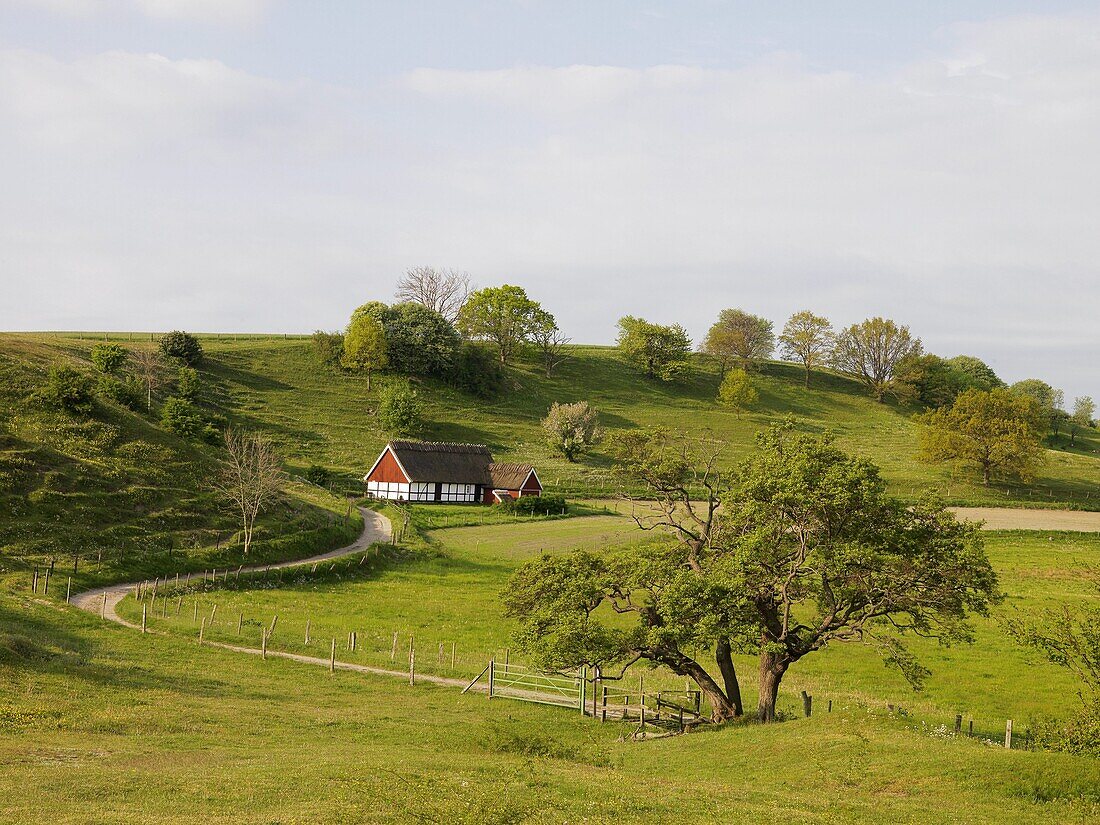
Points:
(34, 581)
(263, 642)
(179, 605)
(195, 617)
(1008, 733)
(274, 621)
(393, 649)
(583, 685)
(202, 629)
(103, 607)
(240, 621)
(143, 618)
(332, 657)
(958, 723)
(452, 655)
(46, 583)
(68, 589)
(307, 631)
(492, 674)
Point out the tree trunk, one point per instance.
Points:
(772, 668)
(724, 658)
(807, 376)
(722, 709)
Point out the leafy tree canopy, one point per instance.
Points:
(803, 549)
(995, 432)
(503, 315)
(660, 351)
(738, 335)
(365, 346)
(571, 429)
(737, 391)
(808, 339)
(871, 351)
(975, 373)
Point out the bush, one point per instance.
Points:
(188, 384)
(68, 389)
(571, 429)
(329, 347)
(737, 391)
(548, 505)
(124, 391)
(1079, 735)
(183, 418)
(478, 371)
(183, 346)
(316, 474)
(109, 358)
(400, 410)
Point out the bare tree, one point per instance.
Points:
(549, 341)
(441, 290)
(149, 368)
(250, 478)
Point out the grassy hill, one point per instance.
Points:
(99, 723)
(320, 416)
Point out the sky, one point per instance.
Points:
(266, 165)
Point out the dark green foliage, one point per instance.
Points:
(109, 358)
(329, 347)
(180, 416)
(400, 410)
(544, 505)
(183, 346)
(478, 371)
(419, 341)
(929, 380)
(1079, 734)
(316, 474)
(125, 391)
(188, 384)
(68, 389)
(974, 373)
(660, 351)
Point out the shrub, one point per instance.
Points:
(183, 346)
(316, 474)
(125, 391)
(328, 347)
(571, 429)
(477, 370)
(737, 391)
(400, 410)
(69, 389)
(183, 418)
(109, 358)
(188, 384)
(1079, 735)
(547, 505)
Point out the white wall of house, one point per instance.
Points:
(418, 491)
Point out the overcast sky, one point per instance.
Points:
(257, 165)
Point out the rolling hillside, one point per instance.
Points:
(318, 415)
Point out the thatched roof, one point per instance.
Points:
(444, 461)
(509, 476)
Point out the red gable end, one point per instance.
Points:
(387, 469)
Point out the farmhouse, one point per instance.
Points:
(435, 471)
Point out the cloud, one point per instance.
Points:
(955, 193)
(212, 12)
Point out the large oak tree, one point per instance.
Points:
(799, 548)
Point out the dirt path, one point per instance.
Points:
(1011, 518)
(376, 527)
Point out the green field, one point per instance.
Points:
(99, 723)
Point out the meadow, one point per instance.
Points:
(100, 723)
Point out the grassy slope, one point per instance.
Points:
(119, 485)
(326, 418)
(455, 597)
(319, 416)
(98, 723)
